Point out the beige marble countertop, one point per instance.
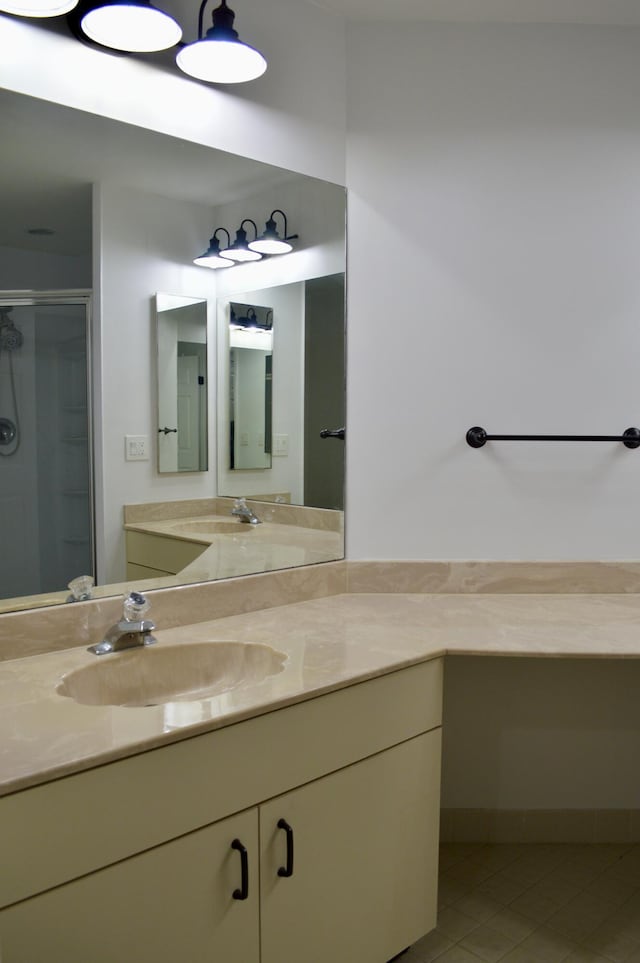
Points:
(329, 643)
(266, 547)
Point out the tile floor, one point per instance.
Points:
(536, 903)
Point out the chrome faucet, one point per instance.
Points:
(244, 513)
(131, 631)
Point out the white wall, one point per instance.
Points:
(540, 734)
(494, 239)
(294, 116)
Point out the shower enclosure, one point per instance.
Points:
(46, 502)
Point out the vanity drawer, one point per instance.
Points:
(67, 828)
(161, 552)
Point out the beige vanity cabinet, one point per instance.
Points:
(361, 845)
(171, 904)
(327, 809)
(151, 556)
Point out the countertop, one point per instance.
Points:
(243, 549)
(330, 643)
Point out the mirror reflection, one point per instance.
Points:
(289, 373)
(181, 325)
(250, 386)
(45, 433)
(92, 219)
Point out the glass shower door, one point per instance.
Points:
(46, 504)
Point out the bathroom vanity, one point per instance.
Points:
(285, 817)
(310, 832)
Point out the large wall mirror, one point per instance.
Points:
(173, 410)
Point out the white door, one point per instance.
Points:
(188, 413)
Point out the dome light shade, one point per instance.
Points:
(221, 57)
(239, 250)
(37, 8)
(212, 258)
(270, 242)
(134, 26)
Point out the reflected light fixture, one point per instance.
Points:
(220, 56)
(37, 8)
(135, 26)
(250, 320)
(240, 250)
(270, 241)
(212, 258)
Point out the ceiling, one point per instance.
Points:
(489, 11)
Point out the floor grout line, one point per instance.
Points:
(578, 903)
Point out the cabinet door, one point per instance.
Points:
(365, 855)
(172, 903)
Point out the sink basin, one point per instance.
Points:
(171, 673)
(205, 527)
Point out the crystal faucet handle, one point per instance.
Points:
(135, 605)
(80, 588)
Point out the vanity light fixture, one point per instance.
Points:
(37, 8)
(270, 241)
(244, 322)
(220, 56)
(240, 250)
(134, 26)
(212, 258)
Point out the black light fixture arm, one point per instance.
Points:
(247, 220)
(271, 225)
(214, 236)
(477, 437)
(223, 19)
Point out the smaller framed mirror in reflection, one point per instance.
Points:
(250, 386)
(181, 329)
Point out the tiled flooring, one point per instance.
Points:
(535, 904)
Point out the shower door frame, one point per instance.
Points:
(27, 298)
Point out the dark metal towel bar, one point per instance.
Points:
(477, 437)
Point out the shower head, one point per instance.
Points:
(11, 337)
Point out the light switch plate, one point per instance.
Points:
(280, 446)
(136, 447)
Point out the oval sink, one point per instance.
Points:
(211, 527)
(179, 673)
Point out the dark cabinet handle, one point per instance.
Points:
(288, 869)
(167, 431)
(243, 892)
(333, 433)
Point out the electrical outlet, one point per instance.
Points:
(136, 447)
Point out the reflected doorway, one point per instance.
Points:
(324, 391)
